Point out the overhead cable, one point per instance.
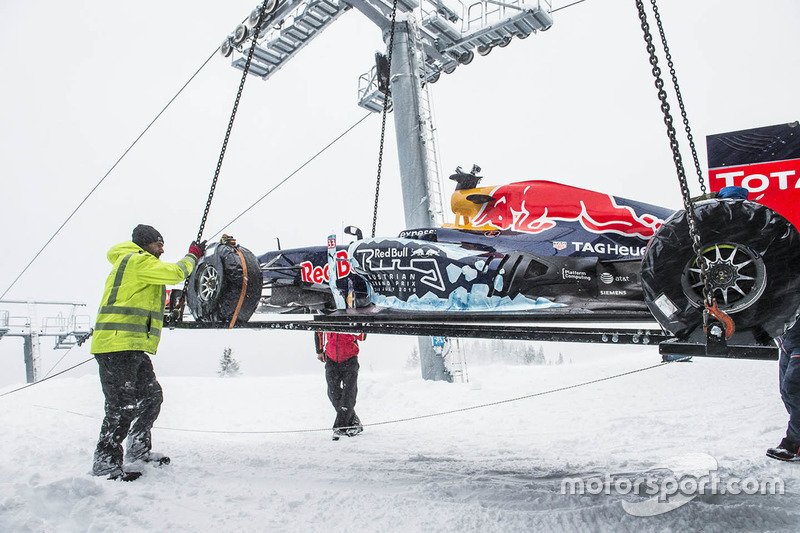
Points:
(46, 244)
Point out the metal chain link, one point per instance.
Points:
(688, 129)
(256, 31)
(676, 156)
(383, 121)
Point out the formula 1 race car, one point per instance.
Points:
(534, 247)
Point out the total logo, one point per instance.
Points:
(785, 179)
(319, 274)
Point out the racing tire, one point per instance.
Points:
(215, 285)
(752, 256)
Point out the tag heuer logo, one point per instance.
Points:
(559, 245)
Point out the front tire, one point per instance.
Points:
(215, 286)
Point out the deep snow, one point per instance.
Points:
(497, 468)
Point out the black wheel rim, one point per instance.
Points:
(736, 275)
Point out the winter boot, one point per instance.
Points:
(338, 433)
(123, 475)
(787, 450)
(153, 458)
(355, 428)
(352, 432)
(106, 467)
(139, 450)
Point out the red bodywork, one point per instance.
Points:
(536, 206)
(764, 160)
(775, 184)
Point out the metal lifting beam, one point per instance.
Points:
(625, 329)
(466, 329)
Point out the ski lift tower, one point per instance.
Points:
(68, 331)
(430, 37)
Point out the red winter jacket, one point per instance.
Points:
(338, 347)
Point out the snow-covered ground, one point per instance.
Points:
(245, 456)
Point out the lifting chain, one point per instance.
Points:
(386, 96)
(674, 76)
(256, 30)
(691, 220)
(177, 314)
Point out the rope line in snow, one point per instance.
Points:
(396, 420)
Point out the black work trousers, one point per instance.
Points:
(133, 402)
(342, 381)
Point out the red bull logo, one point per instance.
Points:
(536, 206)
(319, 274)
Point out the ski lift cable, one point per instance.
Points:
(298, 169)
(396, 420)
(58, 362)
(46, 378)
(566, 6)
(117, 162)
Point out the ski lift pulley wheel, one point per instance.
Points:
(255, 15)
(215, 285)
(751, 255)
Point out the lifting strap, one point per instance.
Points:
(230, 241)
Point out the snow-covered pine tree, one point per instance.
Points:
(413, 359)
(228, 366)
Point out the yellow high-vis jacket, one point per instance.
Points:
(131, 313)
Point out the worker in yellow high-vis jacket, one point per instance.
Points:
(128, 327)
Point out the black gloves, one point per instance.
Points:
(197, 249)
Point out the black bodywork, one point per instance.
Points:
(450, 269)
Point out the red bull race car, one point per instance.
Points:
(535, 247)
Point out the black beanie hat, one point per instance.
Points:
(144, 235)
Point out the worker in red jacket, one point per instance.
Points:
(339, 352)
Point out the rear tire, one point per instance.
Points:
(752, 258)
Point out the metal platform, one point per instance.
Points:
(620, 328)
(582, 327)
